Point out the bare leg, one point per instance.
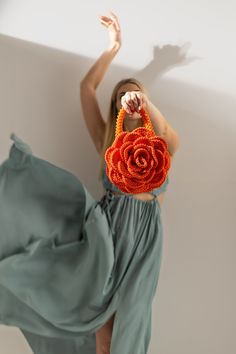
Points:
(103, 337)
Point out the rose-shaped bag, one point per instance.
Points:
(137, 161)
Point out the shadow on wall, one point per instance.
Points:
(40, 102)
(3, 3)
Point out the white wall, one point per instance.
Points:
(184, 53)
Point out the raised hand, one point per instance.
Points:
(132, 101)
(112, 24)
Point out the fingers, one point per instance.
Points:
(106, 21)
(125, 101)
(132, 101)
(126, 107)
(128, 102)
(110, 20)
(140, 100)
(115, 21)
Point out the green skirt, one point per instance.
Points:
(68, 262)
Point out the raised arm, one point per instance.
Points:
(90, 107)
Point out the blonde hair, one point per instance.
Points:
(109, 134)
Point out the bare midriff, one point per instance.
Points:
(147, 196)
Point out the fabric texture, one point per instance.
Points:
(68, 262)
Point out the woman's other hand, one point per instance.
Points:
(112, 24)
(133, 101)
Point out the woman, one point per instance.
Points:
(78, 275)
(131, 95)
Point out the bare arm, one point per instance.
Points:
(133, 101)
(162, 127)
(90, 107)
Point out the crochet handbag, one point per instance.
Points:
(137, 161)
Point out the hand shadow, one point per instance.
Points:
(165, 59)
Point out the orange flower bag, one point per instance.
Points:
(137, 161)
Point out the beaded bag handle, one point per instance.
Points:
(137, 161)
(121, 117)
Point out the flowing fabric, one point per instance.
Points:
(68, 262)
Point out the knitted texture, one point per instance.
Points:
(137, 161)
